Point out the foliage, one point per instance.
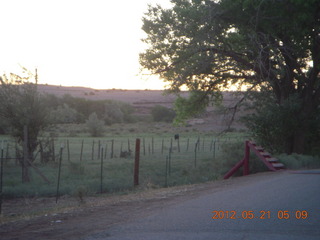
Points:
(117, 112)
(21, 106)
(70, 109)
(64, 114)
(127, 111)
(272, 124)
(162, 114)
(184, 107)
(298, 161)
(95, 126)
(262, 45)
(4, 127)
(83, 106)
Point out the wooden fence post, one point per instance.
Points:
(101, 173)
(92, 152)
(136, 163)
(169, 160)
(203, 144)
(1, 176)
(129, 149)
(195, 153)
(25, 172)
(59, 174)
(152, 145)
(187, 145)
(68, 149)
(144, 146)
(166, 173)
(246, 159)
(81, 152)
(112, 143)
(53, 151)
(99, 147)
(7, 151)
(105, 151)
(162, 146)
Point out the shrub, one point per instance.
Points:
(95, 126)
(298, 161)
(118, 112)
(162, 114)
(64, 114)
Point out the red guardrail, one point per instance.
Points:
(272, 163)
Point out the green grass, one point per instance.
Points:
(81, 173)
(80, 178)
(83, 178)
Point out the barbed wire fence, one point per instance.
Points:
(91, 165)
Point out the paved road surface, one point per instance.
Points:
(192, 219)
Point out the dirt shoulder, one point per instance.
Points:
(71, 219)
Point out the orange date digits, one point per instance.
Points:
(265, 215)
(280, 214)
(301, 214)
(247, 215)
(283, 215)
(224, 214)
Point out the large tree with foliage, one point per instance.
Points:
(22, 109)
(272, 47)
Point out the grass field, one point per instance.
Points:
(92, 165)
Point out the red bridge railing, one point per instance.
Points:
(273, 164)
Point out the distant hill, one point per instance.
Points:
(129, 96)
(144, 100)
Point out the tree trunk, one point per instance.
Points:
(299, 140)
(288, 145)
(305, 117)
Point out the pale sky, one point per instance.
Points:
(92, 43)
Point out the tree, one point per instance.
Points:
(267, 46)
(22, 110)
(95, 126)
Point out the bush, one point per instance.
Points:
(162, 114)
(118, 112)
(95, 126)
(298, 161)
(64, 114)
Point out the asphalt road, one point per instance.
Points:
(272, 207)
